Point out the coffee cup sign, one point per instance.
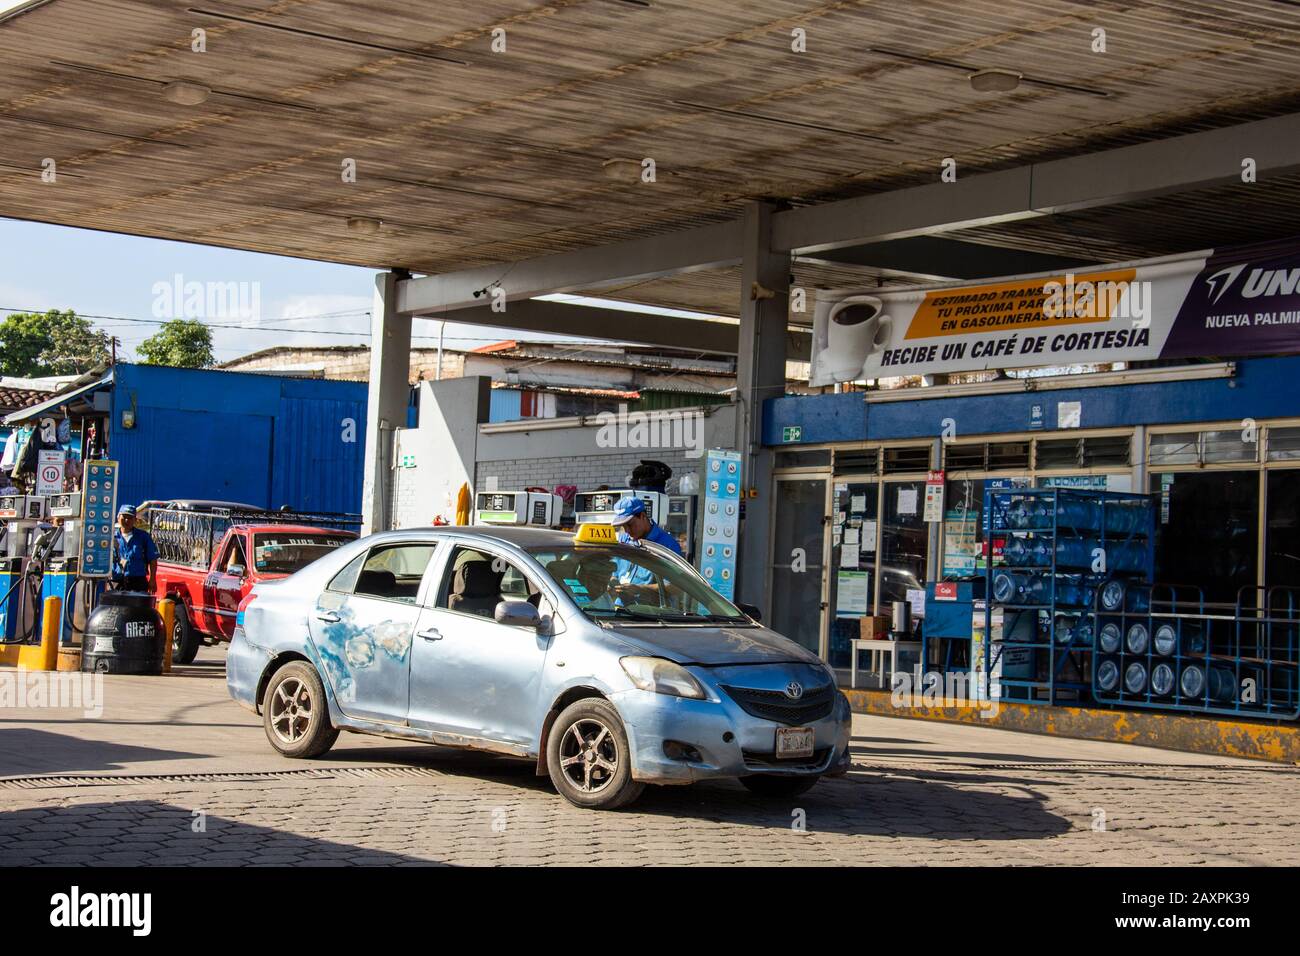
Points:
(856, 328)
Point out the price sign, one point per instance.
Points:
(98, 510)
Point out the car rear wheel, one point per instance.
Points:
(294, 713)
(185, 640)
(588, 757)
(775, 787)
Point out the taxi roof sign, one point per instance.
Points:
(595, 533)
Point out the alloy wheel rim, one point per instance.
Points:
(176, 635)
(291, 710)
(589, 755)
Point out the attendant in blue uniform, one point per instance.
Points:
(135, 556)
(634, 526)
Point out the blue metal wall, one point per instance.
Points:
(505, 405)
(257, 439)
(1262, 388)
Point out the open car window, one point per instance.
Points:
(477, 581)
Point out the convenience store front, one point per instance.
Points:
(858, 520)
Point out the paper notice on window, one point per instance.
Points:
(848, 557)
(868, 537)
(851, 594)
(907, 501)
(858, 503)
(851, 537)
(916, 598)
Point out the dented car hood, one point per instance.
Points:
(714, 646)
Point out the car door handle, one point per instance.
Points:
(431, 634)
(329, 617)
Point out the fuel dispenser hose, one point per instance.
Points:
(35, 581)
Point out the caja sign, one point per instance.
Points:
(1241, 302)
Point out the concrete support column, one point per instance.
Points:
(390, 369)
(760, 374)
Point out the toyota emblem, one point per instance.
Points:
(794, 690)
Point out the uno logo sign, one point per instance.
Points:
(139, 629)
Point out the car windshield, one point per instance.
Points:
(287, 552)
(630, 583)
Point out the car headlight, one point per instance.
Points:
(662, 677)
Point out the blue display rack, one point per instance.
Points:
(1053, 552)
(1163, 647)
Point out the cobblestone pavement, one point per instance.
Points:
(174, 774)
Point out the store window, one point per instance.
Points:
(963, 528)
(798, 458)
(904, 541)
(1284, 444)
(1204, 448)
(1208, 532)
(854, 540)
(1282, 529)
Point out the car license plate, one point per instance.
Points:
(794, 742)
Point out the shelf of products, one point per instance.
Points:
(1056, 549)
(1163, 647)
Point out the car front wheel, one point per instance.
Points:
(588, 757)
(294, 713)
(778, 787)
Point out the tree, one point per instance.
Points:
(180, 343)
(50, 343)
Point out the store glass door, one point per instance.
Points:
(798, 571)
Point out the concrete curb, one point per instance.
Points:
(1278, 743)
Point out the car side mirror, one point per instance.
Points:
(517, 614)
(752, 611)
(236, 570)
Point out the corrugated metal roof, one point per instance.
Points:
(503, 159)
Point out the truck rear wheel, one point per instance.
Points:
(185, 639)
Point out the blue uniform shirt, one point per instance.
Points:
(131, 558)
(624, 570)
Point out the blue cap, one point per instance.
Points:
(126, 510)
(627, 508)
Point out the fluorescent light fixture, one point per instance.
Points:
(12, 8)
(621, 306)
(994, 81)
(185, 93)
(1137, 376)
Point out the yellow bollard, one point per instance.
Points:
(44, 656)
(167, 611)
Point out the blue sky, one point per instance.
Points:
(98, 273)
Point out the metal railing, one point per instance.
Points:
(189, 537)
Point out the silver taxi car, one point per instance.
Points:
(535, 644)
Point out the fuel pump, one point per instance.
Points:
(61, 579)
(27, 542)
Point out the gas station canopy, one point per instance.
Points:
(489, 133)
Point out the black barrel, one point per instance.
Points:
(123, 635)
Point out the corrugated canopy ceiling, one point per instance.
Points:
(471, 156)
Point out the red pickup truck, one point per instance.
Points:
(207, 592)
